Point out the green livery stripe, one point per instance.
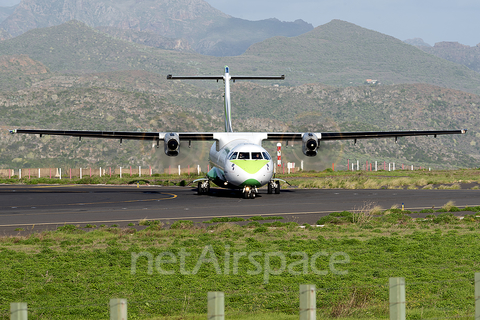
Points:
(251, 183)
(250, 166)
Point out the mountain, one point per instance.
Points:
(147, 38)
(75, 77)
(144, 101)
(20, 71)
(344, 54)
(6, 11)
(418, 42)
(456, 52)
(76, 48)
(337, 53)
(205, 28)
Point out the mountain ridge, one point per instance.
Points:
(204, 27)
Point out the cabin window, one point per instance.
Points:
(256, 156)
(233, 156)
(266, 156)
(244, 155)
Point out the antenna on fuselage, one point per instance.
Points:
(226, 79)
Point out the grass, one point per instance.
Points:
(328, 179)
(73, 272)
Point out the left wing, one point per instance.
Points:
(171, 140)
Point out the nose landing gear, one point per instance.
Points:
(249, 192)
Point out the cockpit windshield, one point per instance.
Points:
(233, 156)
(256, 156)
(244, 155)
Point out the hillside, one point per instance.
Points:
(76, 48)
(19, 72)
(205, 28)
(338, 53)
(138, 100)
(456, 52)
(341, 53)
(149, 39)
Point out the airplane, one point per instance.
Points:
(238, 159)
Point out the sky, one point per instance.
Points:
(432, 20)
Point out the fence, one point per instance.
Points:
(284, 168)
(307, 304)
(61, 173)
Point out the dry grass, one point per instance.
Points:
(366, 213)
(449, 205)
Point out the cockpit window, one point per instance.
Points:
(233, 156)
(244, 155)
(266, 156)
(256, 156)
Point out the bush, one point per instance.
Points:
(182, 224)
(445, 218)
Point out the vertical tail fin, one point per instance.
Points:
(226, 79)
(227, 103)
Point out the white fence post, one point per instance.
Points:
(216, 306)
(308, 302)
(80, 173)
(19, 173)
(118, 309)
(120, 172)
(139, 171)
(18, 311)
(60, 173)
(397, 298)
(179, 170)
(100, 172)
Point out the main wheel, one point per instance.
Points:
(200, 188)
(277, 187)
(269, 188)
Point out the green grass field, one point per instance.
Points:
(327, 179)
(72, 273)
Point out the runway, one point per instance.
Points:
(48, 207)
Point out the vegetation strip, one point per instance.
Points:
(71, 273)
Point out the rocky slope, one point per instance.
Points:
(204, 27)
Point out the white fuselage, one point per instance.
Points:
(240, 162)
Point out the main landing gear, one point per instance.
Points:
(203, 187)
(273, 186)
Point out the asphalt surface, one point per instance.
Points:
(38, 208)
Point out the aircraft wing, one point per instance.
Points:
(361, 134)
(131, 135)
(195, 136)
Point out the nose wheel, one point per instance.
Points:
(249, 192)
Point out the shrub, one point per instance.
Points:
(445, 218)
(182, 224)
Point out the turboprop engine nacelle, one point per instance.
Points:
(309, 144)
(172, 144)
